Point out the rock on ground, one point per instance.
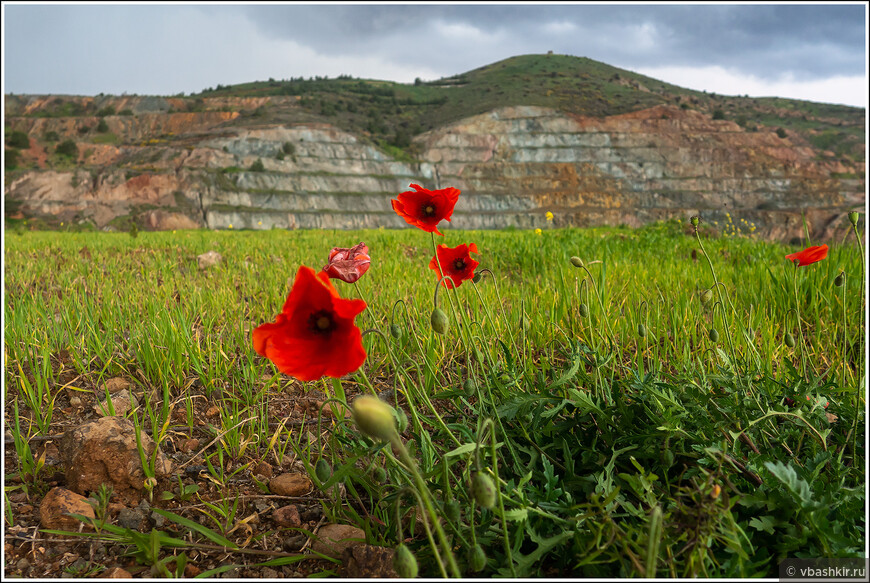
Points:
(57, 504)
(333, 539)
(368, 561)
(105, 452)
(209, 259)
(290, 485)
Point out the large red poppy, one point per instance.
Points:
(456, 262)
(314, 335)
(809, 255)
(426, 208)
(348, 264)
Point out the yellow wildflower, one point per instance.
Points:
(549, 216)
(538, 231)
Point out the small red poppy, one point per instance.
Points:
(456, 262)
(348, 265)
(426, 208)
(314, 335)
(809, 255)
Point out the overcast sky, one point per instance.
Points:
(803, 51)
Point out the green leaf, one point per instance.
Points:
(204, 531)
(796, 486)
(516, 514)
(764, 523)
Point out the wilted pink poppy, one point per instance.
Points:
(348, 264)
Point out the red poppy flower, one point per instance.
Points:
(809, 255)
(456, 262)
(426, 208)
(314, 335)
(348, 264)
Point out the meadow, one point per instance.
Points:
(601, 402)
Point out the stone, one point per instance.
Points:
(294, 484)
(132, 518)
(263, 469)
(105, 452)
(209, 259)
(287, 516)
(333, 539)
(122, 403)
(160, 220)
(116, 573)
(57, 504)
(115, 385)
(364, 561)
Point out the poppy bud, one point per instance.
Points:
(694, 220)
(374, 417)
(323, 470)
(717, 489)
(584, 311)
(853, 218)
(452, 511)
(477, 277)
(395, 331)
(706, 296)
(439, 321)
(714, 336)
(789, 340)
(576, 261)
(483, 490)
(477, 558)
(402, 419)
(379, 474)
(405, 563)
(641, 330)
(840, 279)
(469, 387)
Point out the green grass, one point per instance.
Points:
(623, 443)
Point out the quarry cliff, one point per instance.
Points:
(222, 162)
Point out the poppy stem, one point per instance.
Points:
(722, 302)
(800, 327)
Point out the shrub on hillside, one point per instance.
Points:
(18, 139)
(67, 148)
(11, 160)
(781, 133)
(257, 166)
(102, 127)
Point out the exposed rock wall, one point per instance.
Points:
(513, 165)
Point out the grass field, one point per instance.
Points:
(629, 424)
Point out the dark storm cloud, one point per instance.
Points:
(806, 41)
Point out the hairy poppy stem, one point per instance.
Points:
(721, 301)
(800, 327)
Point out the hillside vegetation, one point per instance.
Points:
(391, 114)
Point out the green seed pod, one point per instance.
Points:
(853, 218)
(706, 297)
(470, 387)
(584, 311)
(694, 220)
(641, 330)
(323, 470)
(452, 511)
(374, 417)
(439, 321)
(379, 474)
(576, 261)
(840, 279)
(405, 563)
(402, 420)
(477, 558)
(483, 489)
(395, 331)
(789, 340)
(714, 336)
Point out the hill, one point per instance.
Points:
(116, 138)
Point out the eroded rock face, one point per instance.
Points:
(512, 164)
(105, 452)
